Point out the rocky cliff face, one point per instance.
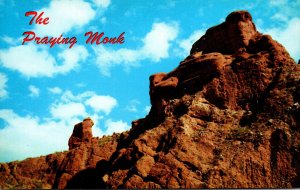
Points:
(64, 169)
(30, 173)
(226, 117)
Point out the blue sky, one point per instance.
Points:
(45, 91)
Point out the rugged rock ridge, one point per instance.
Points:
(84, 158)
(61, 170)
(226, 117)
(37, 173)
(82, 132)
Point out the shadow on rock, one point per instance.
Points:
(86, 179)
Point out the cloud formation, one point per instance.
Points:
(67, 111)
(64, 16)
(157, 42)
(34, 91)
(156, 46)
(102, 3)
(116, 126)
(34, 136)
(186, 44)
(35, 61)
(285, 25)
(133, 105)
(3, 91)
(101, 103)
(31, 137)
(55, 90)
(9, 40)
(289, 37)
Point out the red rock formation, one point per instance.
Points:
(32, 173)
(226, 117)
(235, 34)
(62, 170)
(85, 154)
(82, 133)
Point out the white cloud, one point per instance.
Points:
(278, 2)
(9, 40)
(147, 109)
(160, 37)
(186, 44)
(34, 91)
(97, 132)
(284, 10)
(157, 41)
(103, 20)
(26, 136)
(68, 96)
(67, 110)
(115, 126)
(106, 58)
(98, 103)
(102, 3)
(101, 103)
(280, 17)
(55, 90)
(80, 85)
(286, 25)
(65, 16)
(288, 37)
(3, 91)
(71, 57)
(29, 136)
(34, 61)
(156, 45)
(132, 106)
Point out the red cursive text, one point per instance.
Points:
(97, 38)
(37, 17)
(30, 36)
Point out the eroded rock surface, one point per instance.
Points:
(82, 133)
(76, 168)
(32, 173)
(79, 167)
(226, 117)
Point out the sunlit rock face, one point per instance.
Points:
(226, 117)
(237, 34)
(82, 132)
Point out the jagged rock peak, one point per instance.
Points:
(237, 34)
(82, 132)
(231, 57)
(226, 117)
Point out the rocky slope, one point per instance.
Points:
(60, 170)
(227, 117)
(30, 173)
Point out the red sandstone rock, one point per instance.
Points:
(78, 169)
(235, 34)
(229, 121)
(226, 117)
(32, 173)
(82, 133)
